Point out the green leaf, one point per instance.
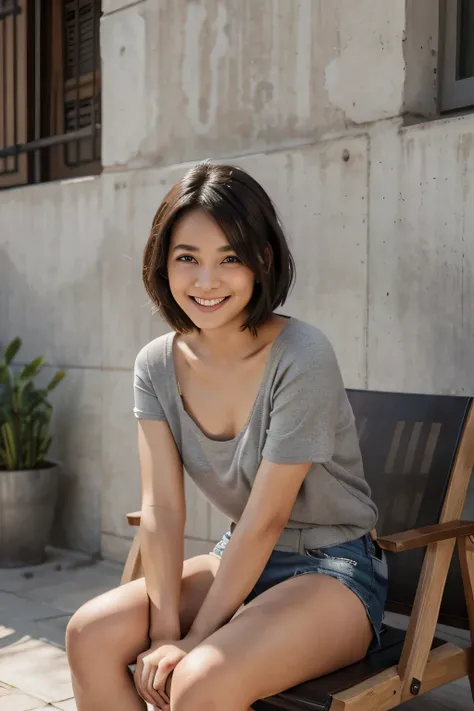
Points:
(11, 350)
(25, 415)
(44, 447)
(56, 380)
(4, 374)
(30, 370)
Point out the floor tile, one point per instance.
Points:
(13, 605)
(5, 689)
(68, 705)
(52, 630)
(37, 668)
(5, 632)
(17, 701)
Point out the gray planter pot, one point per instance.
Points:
(27, 504)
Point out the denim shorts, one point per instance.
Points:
(360, 565)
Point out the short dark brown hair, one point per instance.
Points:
(246, 215)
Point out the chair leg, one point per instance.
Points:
(424, 616)
(466, 558)
(133, 566)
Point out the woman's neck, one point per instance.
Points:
(230, 343)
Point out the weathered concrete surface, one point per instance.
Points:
(77, 443)
(420, 50)
(213, 78)
(50, 296)
(321, 194)
(50, 270)
(421, 258)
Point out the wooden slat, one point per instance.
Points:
(466, 559)
(379, 693)
(134, 518)
(61, 93)
(425, 613)
(383, 691)
(420, 537)
(461, 473)
(133, 566)
(14, 64)
(445, 664)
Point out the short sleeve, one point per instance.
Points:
(147, 405)
(305, 408)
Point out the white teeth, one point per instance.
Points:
(209, 302)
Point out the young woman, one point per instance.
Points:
(252, 405)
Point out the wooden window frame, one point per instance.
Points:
(50, 127)
(20, 175)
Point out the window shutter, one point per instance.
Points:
(76, 104)
(13, 91)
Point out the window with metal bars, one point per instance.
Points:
(457, 55)
(50, 88)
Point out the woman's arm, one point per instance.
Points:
(162, 526)
(253, 540)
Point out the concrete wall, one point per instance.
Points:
(192, 79)
(308, 97)
(51, 264)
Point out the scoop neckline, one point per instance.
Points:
(193, 423)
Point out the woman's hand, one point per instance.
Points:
(155, 666)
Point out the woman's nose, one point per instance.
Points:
(207, 279)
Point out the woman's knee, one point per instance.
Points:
(201, 682)
(112, 626)
(85, 635)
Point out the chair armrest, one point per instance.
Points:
(421, 537)
(134, 518)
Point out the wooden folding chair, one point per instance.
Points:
(418, 453)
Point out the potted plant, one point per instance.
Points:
(28, 481)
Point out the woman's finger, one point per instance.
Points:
(159, 686)
(163, 670)
(147, 674)
(137, 676)
(160, 700)
(168, 684)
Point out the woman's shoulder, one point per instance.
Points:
(305, 344)
(154, 354)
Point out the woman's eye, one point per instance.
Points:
(185, 258)
(235, 260)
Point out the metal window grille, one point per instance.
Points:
(50, 87)
(457, 69)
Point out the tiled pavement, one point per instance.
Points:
(36, 604)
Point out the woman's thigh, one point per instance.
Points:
(118, 620)
(300, 629)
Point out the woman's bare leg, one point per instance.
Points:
(301, 629)
(108, 633)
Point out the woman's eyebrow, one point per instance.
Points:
(187, 247)
(192, 248)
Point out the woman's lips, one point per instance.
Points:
(208, 309)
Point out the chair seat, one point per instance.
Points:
(316, 695)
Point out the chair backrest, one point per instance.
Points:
(408, 445)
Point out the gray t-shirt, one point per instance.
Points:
(301, 414)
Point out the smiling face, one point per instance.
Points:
(206, 278)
